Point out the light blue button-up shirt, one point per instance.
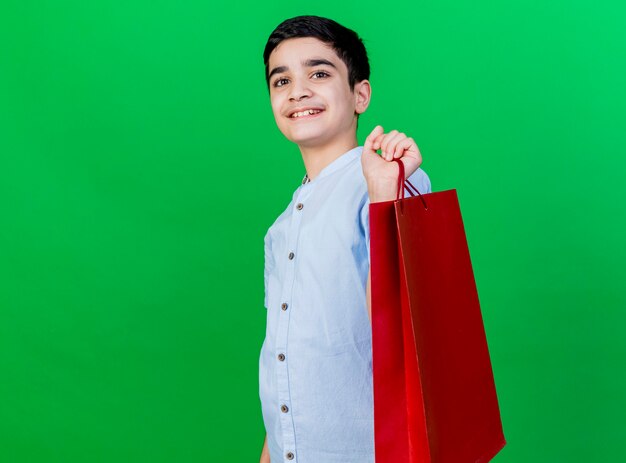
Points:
(315, 365)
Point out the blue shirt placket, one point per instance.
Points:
(282, 333)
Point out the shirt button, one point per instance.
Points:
(299, 206)
(281, 357)
(284, 306)
(291, 254)
(284, 408)
(289, 456)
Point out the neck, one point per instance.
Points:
(317, 157)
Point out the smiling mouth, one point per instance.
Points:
(308, 114)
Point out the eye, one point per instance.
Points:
(277, 81)
(321, 72)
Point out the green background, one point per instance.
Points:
(140, 167)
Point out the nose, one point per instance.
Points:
(299, 89)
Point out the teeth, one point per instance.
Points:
(306, 113)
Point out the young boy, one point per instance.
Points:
(315, 365)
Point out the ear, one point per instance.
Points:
(362, 96)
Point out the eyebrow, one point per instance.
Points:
(309, 63)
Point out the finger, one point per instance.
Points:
(371, 137)
(377, 141)
(412, 152)
(393, 143)
(385, 142)
(402, 147)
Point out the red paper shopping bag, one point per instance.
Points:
(434, 393)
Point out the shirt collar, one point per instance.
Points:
(338, 163)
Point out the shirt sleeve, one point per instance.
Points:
(364, 222)
(419, 179)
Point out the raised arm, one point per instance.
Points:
(381, 173)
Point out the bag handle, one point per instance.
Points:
(405, 183)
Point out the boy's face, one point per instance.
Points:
(297, 82)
